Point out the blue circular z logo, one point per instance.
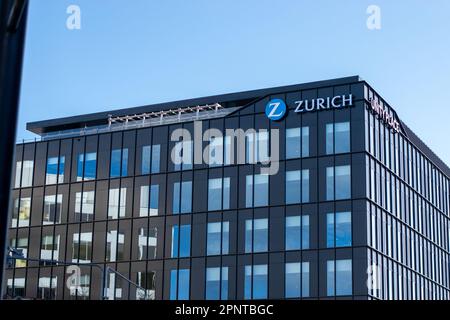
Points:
(275, 109)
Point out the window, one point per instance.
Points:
(181, 241)
(182, 197)
(52, 209)
(84, 206)
(219, 153)
(297, 232)
(82, 247)
(297, 280)
(16, 287)
(17, 182)
(147, 281)
(50, 248)
(21, 213)
(297, 186)
(55, 170)
(47, 288)
(117, 203)
(151, 159)
(338, 183)
(218, 238)
(339, 229)
(297, 142)
(218, 194)
(182, 155)
(113, 287)
(115, 242)
(257, 146)
(87, 166)
(179, 284)
(256, 235)
(147, 243)
(217, 283)
(256, 190)
(146, 159)
(25, 169)
(338, 137)
(149, 204)
(82, 289)
(119, 163)
(22, 244)
(216, 151)
(255, 283)
(339, 277)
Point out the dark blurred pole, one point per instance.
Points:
(12, 37)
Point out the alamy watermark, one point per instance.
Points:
(235, 146)
(374, 20)
(73, 21)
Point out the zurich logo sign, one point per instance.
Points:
(275, 109)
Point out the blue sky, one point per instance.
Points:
(139, 52)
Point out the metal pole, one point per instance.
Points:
(12, 36)
(104, 270)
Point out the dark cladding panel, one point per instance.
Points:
(199, 227)
(104, 156)
(40, 164)
(200, 191)
(276, 229)
(37, 206)
(198, 279)
(129, 143)
(276, 268)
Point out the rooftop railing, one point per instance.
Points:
(142, 120)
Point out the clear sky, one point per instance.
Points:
(137, 52)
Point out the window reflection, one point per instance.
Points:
(339, 229)
(339, 277)
(338, 183)
(52, 209)
(117, 203)
(218, 238)
(182, 197)
(147, 281)
(82, 247)
(84, 206)
(21, 213)
(255, 281)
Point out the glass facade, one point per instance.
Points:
(255, 285)
(87, 166)
(182, 197)
(353, 202)
(338, 183)
(297, 232)
(339, 277)
(256, 190)
(181, 241)
(218, 194)
(297, 186)
(151, 157)
(256, 235)
(218, 238)
(55, 170)
(339, 229)
(338, 137)
(119, 163)
(297, 280)
(216, 283)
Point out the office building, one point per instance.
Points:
(356, 206)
